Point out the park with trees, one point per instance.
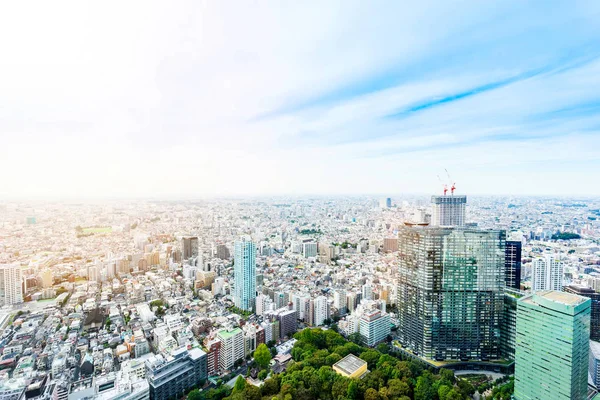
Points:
(310, 375)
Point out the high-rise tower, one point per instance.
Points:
(189, 247)
(451, 292)
(552, 346)
(244, 274)
(448, 210)
(11, 287)
(547, 274)
(513, 264)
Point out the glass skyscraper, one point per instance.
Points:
(513, 264)
(451, 292)
(244, 271)
(552, 346)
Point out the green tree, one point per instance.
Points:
(195, 395)
(352, 390)
(271, 386)
(447, 374)
(396, 388)
(443, 391)
(454, 395)
(371, 357)
(240, 385)
(382, 348)
(465, 388)
(263, 374)
(424, 389)
(371, 394)
(262, 356)
(332, 359)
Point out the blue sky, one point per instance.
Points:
(221, 98)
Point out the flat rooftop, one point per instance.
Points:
(557, 297)
(350, 364)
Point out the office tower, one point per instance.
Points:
(374, 327)
(513, 264)
(547, 274)
(309, 249)
(451, 292)
(508, 327)
(367, 292)
(232, 347)
(189, 247)
(340, 301)
(288, 322)
(595, 307)
(245, 274)
(11, 285)
(552, 346)
(390, 245)
(321, 310)
(168, 377)
(448, 210)
(594, 363)
(222, 252)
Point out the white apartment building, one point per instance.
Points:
(11, 287)
(232, 347)
(547, 274)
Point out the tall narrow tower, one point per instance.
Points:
(245, 274)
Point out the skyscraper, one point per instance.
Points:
(245, 274)
(547, 274)
(513, 264)
(508, 327)
(11, 285)
(552, 346)
(448, 210)
(595, 307)
(451, 292)
(189, 247)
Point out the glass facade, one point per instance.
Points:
(451, 292)
(552, 346)
(245, 275)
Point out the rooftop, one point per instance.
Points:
(226, 334)
(559, 297)
(350, 364)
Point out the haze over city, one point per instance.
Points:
(284, 200)
(186, 99)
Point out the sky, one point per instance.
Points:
(219, 98)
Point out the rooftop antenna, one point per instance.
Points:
(453, 187)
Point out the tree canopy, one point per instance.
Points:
(262, 356)
(311, 376)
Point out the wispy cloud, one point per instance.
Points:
(301, 96)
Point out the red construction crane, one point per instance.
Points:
(445, 185)
(453, 187)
